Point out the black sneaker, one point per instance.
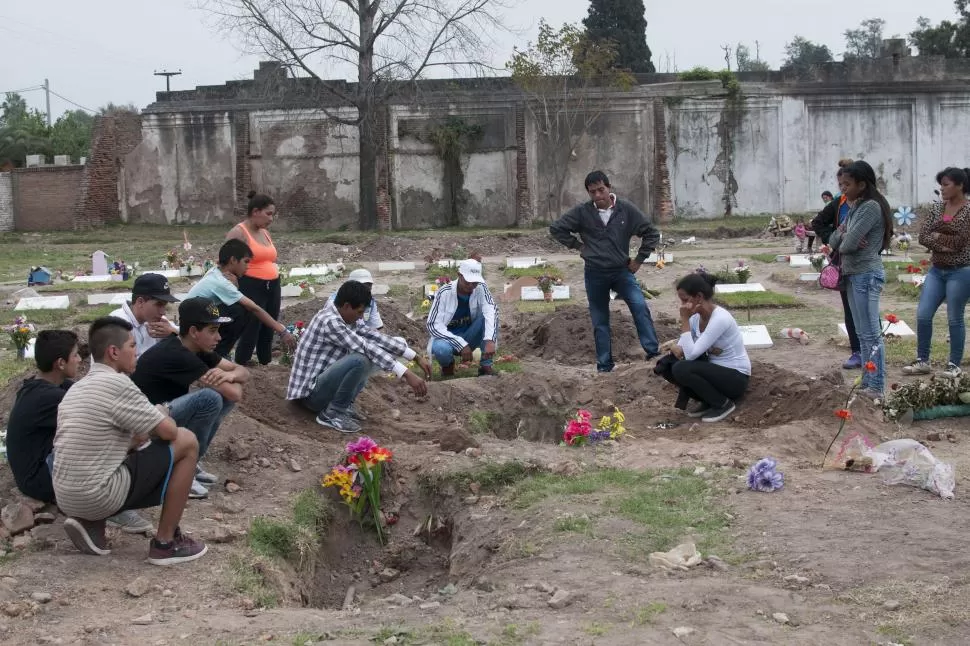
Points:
(338, 421)
(700, 410)
(682, 401)
(355, 414)
(87, 535)
(182, 549)
(717, 414)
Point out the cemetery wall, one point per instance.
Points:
(696, 149)
(114, 136)
(6, 202)
(46, 198)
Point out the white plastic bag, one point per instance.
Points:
(909, 462)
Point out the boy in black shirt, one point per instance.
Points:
(166, 372)
(33, 422)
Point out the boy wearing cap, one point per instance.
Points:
(150, 295)
(220, 285)
(463, 317)
(115, 451)
(336, 356)
(167, 371)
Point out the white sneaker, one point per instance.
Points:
(198, 492)
(204, 477)
(918, 367)
(952, 371)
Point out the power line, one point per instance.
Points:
(64, 98)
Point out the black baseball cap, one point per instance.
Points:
(199, 311)
(153, 286)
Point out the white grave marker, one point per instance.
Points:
(652, 258)
(291, 291)
(29, 350)
(44, 303)
(312, 270)
(99, 278)
(524, 262)
(168, 273)
(895, 329)
(378, 289)
(446, 264)
(913, 279)
(741, 287)
(808, 278)
(117, 298)
(756, 337)
(99, 263)
(395, 266)
(800, 261)
(559, 293)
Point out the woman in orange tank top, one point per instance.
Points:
(261, 283)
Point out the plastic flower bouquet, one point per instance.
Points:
(358, 481)
(580, 431)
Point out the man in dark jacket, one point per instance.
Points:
(33, 422)
(605, 225)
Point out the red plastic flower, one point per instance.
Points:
(924, 263)
(844, 413)
(299, 325)
(892, 318)
(870, 366)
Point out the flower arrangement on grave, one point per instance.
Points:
(296, 329)
(904, 241)
(547, 282)
(763, 476)
(174, 259)
(913, 269)
(190, 264)
(818, 261)
(20, 333)
(579, 430)
(358, 480)
(844, 414)
(743, 272)
(208, 264)
(119, 268)
(921, 397)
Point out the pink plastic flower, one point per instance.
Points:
(362, 445)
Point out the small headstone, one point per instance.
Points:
(395, 266)
(116, 298)
(735, 289)
(755, 337)
(524, 262)
(559, 293)
(291, 291)
(808, 278)
(312, 270)
(44, 303)
(513, 290)
(93, 278)
(800, 261)
(99, 263)
(378, 289)
(62, 160)
(891, 329)
(35, 160)
(652, 258)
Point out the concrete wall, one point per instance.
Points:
(6, 203)
(45, 198)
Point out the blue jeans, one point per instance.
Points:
(953, 286)
(599, 282)
(337, 387)
(863, 292)
(474, 335)
(200, 411)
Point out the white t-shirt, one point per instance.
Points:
(722, 332)
(143, 340)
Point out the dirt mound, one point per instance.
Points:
(396, 323)
(566, 336)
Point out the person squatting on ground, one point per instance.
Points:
(167, 372)
(946, 233)
(859, 241)
(261, 282)
(33, 421)
(463, 317)
(605, 225)
(709, 363)
(150, 296)
(336, 356)
(115, 451)
(221, 285)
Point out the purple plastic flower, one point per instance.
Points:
(362, 445)
(598, 436)
(763, 477)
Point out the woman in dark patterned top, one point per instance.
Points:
(946, 233)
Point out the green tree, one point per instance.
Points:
(950, 39)
(745, 63)
(801, 54)
(623, 23)
(866, 40)
(558, 74)
(71, 134)
(22, 132)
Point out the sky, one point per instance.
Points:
(100, 51)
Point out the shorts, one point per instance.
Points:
(150, 470)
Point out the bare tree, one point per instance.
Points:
(390, 43)
(559, 74)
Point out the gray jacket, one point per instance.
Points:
(606, 246)
(864, 222)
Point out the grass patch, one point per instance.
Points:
(514, 634)
(91, 314)
(665, 506)
(681, 226)
(398, 290)
(513, 273)
(925, 605)
(295, 539)
(481, 422)
(743, 300)
(764, 257)
(902, 351)
(247, 580)
(647, 614)
(447, 633)
(12, 368)
(596, 629)
(71, 286)
(906, 290)
(574, 524)
(492, 476)
(542, 307)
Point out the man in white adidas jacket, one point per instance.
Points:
(463, 317)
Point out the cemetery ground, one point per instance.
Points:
(504, 537)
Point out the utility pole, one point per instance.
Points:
(168, 76)
(47, 92)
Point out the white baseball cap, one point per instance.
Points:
(361, 276)
(471, 270)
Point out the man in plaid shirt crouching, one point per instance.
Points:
(335, 356)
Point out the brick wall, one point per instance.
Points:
(45, 199)
(6, 202)
(114, 136)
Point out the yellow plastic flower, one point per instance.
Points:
(605, 422)
(426, 303)
(620, 417)
(434, 288)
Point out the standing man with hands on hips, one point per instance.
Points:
(605, 225)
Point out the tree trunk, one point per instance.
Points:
(368, 173)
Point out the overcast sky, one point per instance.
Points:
(101, 51)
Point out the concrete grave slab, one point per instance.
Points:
(291, 291)
(524, 262)
(378, 289)
(513, 291)
(44, 303)
(313, 270)
(913, 279)
(652, 258)
(756, 337)
(445, 264)
(100, 278)
(117, 298)
(559, 293)
(168, 273)
(808, 278)
(735, 289)
(395, 266)
(799, 261)
(894, 329)
(886, 258)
